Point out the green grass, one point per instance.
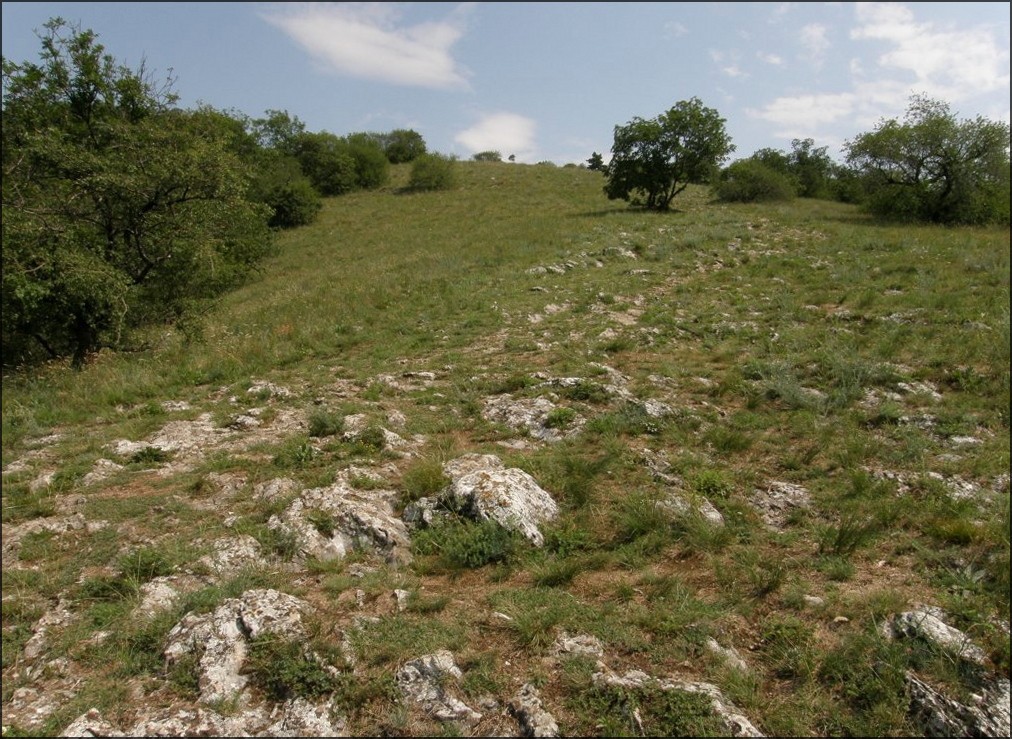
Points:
(800, 343)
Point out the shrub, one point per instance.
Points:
(432, 172)
(424, 477)
(487, 156)
(289, 194)
(284, 670)
(325, 423)
(750, 181)
(464, 545)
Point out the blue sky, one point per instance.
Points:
(550, 81)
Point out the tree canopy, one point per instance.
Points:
(118, 208)
(654, 160)
(934, 167)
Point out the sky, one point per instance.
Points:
(550, 81)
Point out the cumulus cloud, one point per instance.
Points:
(946, 62)
(507, 133)
(815, 41)
(800, 115)
(368, 40)
(770, 58)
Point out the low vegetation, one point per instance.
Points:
(770, 425)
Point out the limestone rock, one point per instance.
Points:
(527, 709)
(729, 655)
(680, 506)
(90, 724)
(530, 415)
(928, 625)
(330, 522)
(220, 638)
(581, 644)
(778, 501)
(299, 717)
(423, 680)
(482, 488)
(735, 723)
(941, 716)
(232, 555)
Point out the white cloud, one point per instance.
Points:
(507, 133)
(770, 58)
(733, 70)
(948, 63)
(805, 112)
(366, 40)
(815, 41)
(673, 29)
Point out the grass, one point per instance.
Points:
(824, 349)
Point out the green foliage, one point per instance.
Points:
(787, 644)
(284, 670)
(327, 162)
(655, 160)
(596, 163)
(487, 156)
(847, 536)
(119, 209)
(281, 186)
(433, 172)
(278, 132)
(609, 710)
(750, 181)
(867, 672)
(934, 168)
(424, 478)
(812, 168)
(325, 423)
(559, 418)
(142, 565)
(372, 168)
(461, 545)
(403, 145)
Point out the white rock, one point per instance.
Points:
(483, 489)
(424, 681)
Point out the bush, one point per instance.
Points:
(432, 172)
(326, 161)
(750, 181)
(464, 545)
(372, 168)
(487, 156)
(289, 194)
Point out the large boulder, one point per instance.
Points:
(483, 488)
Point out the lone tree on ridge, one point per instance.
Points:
(654, 160)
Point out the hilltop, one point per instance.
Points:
(513, 459)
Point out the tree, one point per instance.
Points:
(654, 160)
(118, 209)
(487, 156)
(596, 163)
(372, 168)
(812, 167)
(281, 185)
(327, 162)
(933, 167)
(403, 145)
(278, 131)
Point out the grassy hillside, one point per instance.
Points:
(859, 370)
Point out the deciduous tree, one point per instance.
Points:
(654, 160)
(934, 167)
